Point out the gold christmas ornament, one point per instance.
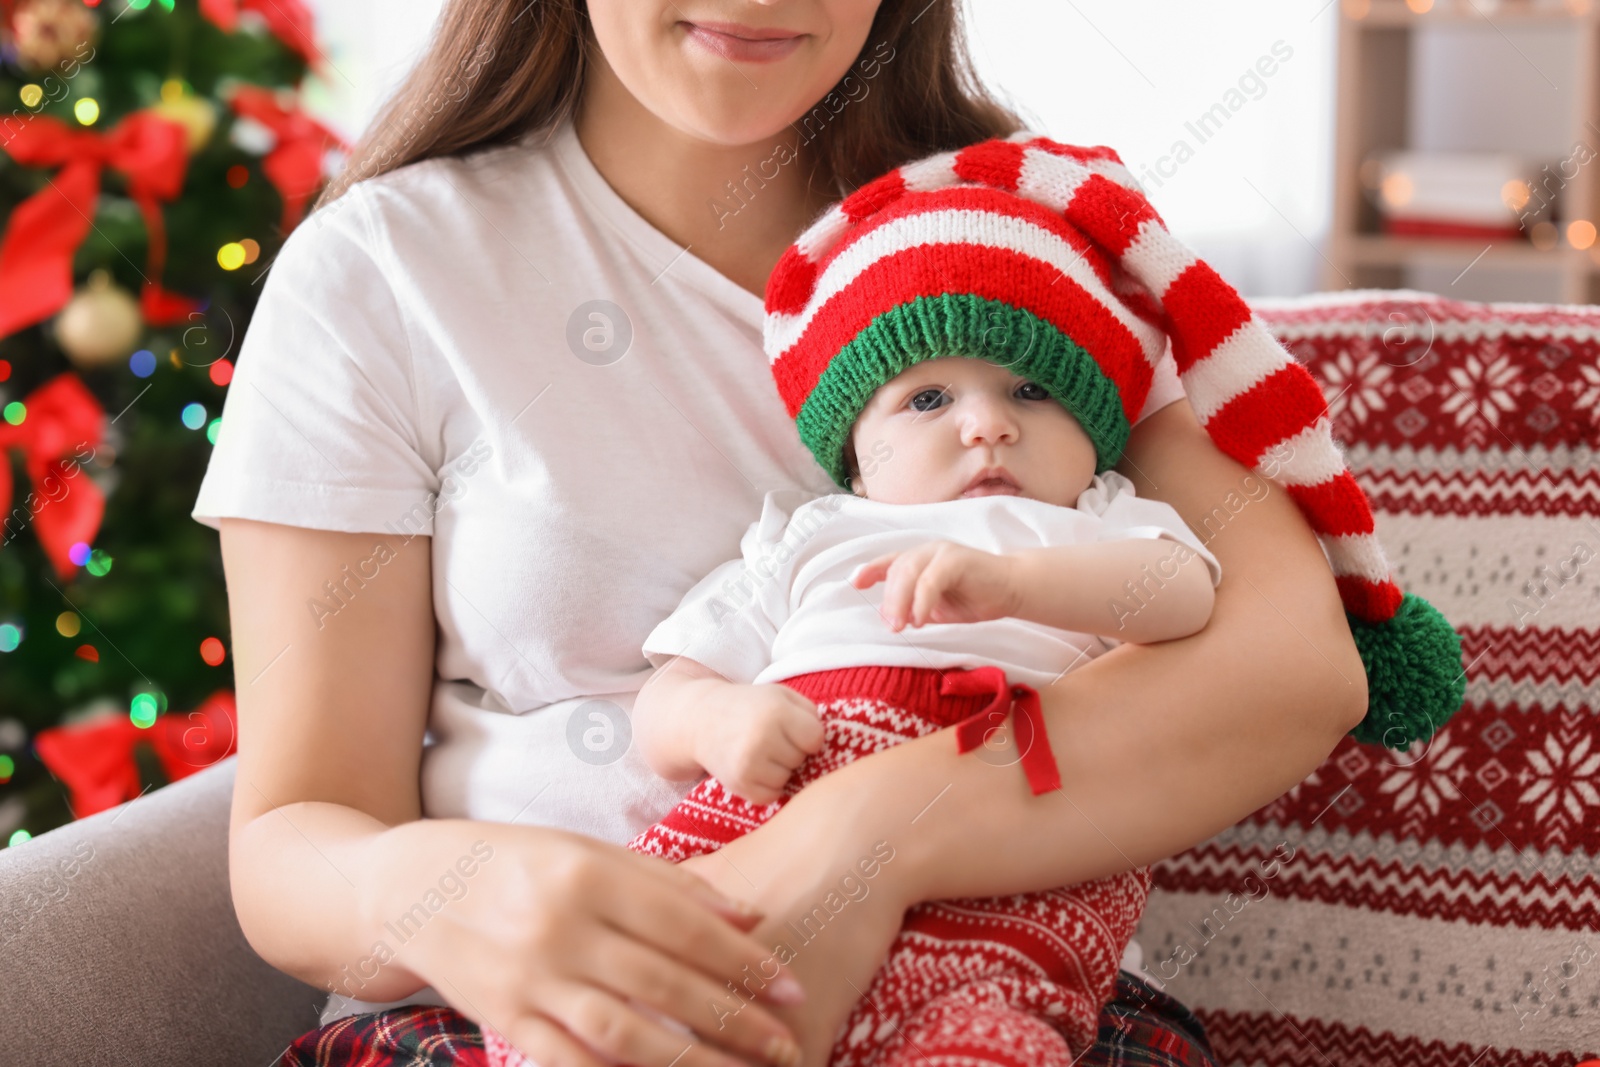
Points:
(100, 324)
(197, 116)
(51, 32)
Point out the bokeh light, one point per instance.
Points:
(213, 429)
(212, 652)
(231, 256)
(238, 175)
(221, 372)
(78, 553)
(68, 624)
(10, 636)
(19, 837)
(142, 711)
(31, 95)
(194, 416)
(99, 563)
(142, 363)
(86, 111)
(15, 412)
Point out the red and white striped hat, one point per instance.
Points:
(1047, 258)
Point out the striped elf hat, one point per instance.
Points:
(1045, 258)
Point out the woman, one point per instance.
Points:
(500, 406)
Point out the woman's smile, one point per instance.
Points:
(743, 44)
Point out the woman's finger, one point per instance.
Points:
(713, 1011)
(664, 911)
(617, 1030)
(741, 914)
(546, 1043)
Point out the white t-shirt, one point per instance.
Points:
(499, 352)
(786, 605)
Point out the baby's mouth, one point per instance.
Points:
(993, 487)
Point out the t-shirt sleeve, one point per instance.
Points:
(320, 427)
(730, 619)
(1165, 386)
(1124, 514)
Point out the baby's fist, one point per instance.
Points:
(757, 737)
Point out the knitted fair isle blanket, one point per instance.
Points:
(1441, 906)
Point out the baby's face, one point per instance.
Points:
(938, 428)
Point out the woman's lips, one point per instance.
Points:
(739, 44)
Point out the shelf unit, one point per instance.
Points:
(1374, 95)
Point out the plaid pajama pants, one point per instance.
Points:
(1141, 1027)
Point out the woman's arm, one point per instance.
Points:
(1159, 746)
(337, 879)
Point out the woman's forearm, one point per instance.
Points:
(1159, 746)
(314, 886)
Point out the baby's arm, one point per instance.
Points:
(1137, 589)
(688, 719)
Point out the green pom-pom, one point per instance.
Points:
(1414, 676)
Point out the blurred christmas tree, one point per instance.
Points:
(153, 156)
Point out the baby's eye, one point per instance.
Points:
(927, 399)
(1032, 391)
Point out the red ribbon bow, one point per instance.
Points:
(62, 416)
(46, 229)
(95, 760)
(289, 20)
(1038, 762)
(294, 166)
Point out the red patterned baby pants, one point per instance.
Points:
(1017, 981)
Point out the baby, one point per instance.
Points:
(964, 345)
(979, 524)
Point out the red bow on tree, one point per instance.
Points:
(96, 763)
(46, 229)
(289, 20)
(62, 417)
(294, 166)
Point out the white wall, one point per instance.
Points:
(1256, 194)
(370, 44)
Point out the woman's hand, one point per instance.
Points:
(942, 581)
(833, 905)
(552, 935)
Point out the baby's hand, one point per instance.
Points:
(942, 581)
(755, 738)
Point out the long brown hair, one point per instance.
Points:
(495, 70)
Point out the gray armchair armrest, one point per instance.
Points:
(120, 946)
